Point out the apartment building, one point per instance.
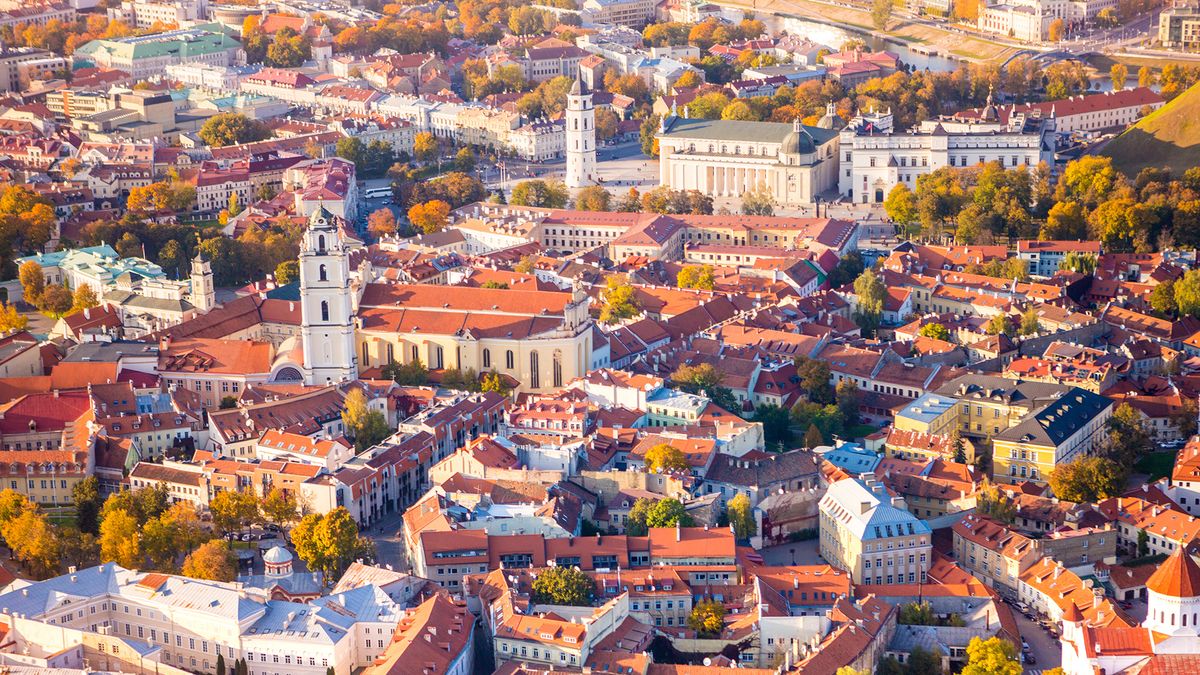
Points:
(872, 535)
(995, 554)
(1065, 430)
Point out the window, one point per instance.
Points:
(487, 358)
(321, 274)
(535, 380)
(324, 310)
(508, 360)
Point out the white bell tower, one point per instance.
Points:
(581, 137)
(203, 296)
(327, 321)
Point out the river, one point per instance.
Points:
(834, 37)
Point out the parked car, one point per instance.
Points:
(1030, 658)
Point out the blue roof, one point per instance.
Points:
(852, 458)
(53, 259)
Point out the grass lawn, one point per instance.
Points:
(860, 430)
(1169, 136)
(1157, 464)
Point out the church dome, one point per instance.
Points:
(798, 141)
(277, 555)
(1177, 577)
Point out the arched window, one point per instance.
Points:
(508, 360)
(535, 380)
(320, 243)
(390, 353)
(437, 358)
(366, 354)
(321, 274)
(487, 358)
(416, 356)
(556, 368)
(324, 310)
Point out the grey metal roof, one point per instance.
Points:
(738, 130)
(1056, 422)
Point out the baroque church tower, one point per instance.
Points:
(581, 137)
(326, 307)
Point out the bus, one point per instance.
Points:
(373, 193)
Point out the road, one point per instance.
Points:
(1046, 649)
(389, 546)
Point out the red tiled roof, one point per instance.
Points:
(1178, 576)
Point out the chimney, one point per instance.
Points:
(678, 532)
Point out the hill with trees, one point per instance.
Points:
(1168, 137)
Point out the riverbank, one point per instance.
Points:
(960, 45)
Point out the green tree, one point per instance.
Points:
(1187, 294)
(593, 198)
(813, 437)
(1162, 298)
(329, 543)
(1185, 418)
(696, 276)
(1074, 261)
(758, 202)
(924, 662)
(993, 656)
(993, 503)
(287, 272)
(413, 374)
(221, 670)
(847, 397)
(1030, 325)
(171, 258)
(635, 522)
(777, 424)
(901, 206)
(707, 618)
(464, 160)
(815, 378)
(827, 419)
(648, 134)
(1000, 324)
(1143, 543)
(620, 300)
(214, 561)
(563, 586)
(551, 194)
(231, 128)
(232, 510)
(280, 507)
(56, 301)
(1089, 180)
(86, 498)
(665, 457)
(917, 614)
(741, 516)
(120, 540)
(870, 292)
(667, 513)
(936, 331)
(1128, 437)
(368, 427)
(1088, 479)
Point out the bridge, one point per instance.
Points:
(1047, 58)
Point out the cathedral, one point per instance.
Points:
(1167, 641)
(727, 158)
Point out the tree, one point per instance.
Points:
(593, 198)
(901, 205)
(231, 510)
(287, 272)
(881, 13)
(777, 424)
(368, 427)
(493, 382)
(1065, 221)
(1146, 76)
(871, 293)
(936, 331)
(1187, 294)
(563, 586)
(1090, 180)
(741, 516)
(10, 319)
(1030, 325)
(635, 522)
(1143, 543)
(620, 300)
(33, 281)
(1162, 298)
(221, 670)
(464, 160)
(696, 276)
(551, 194)
(430, 216)
(814, 378)
(999, 324)
(1056, 30)
(527, 264)
(1119, 73)
(382, 223)
(607, 122)
(83, 298)
(917, 614)
(230, 128)
(707, 617)
(993, 503)
(1185, 418)
(847, 670)
(413, 374)
(993, 656)
(121, 539)
(150, 501)
(758, 202)
(846, 395)
(86, 498)
(214, 561)
(958, 446)
(425, 146)
(665, 457)
(1074, 261)
(813, 437)
(1087, 479)
(329, 543)
(924, 662)
(34, 542)
(279, 507)
(57, 301)
(667, 513)
(648, 135)
(1128, 438)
